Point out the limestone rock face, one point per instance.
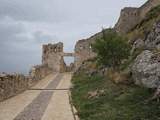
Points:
(146, 69)
(138, 44)
(153, 39)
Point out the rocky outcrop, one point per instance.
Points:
(146, 69)
(130, 16)
(153, 39)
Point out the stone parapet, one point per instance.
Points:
(11, 85)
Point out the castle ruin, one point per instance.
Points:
(53, 57)
(131, 16)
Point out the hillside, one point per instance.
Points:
(132, 91)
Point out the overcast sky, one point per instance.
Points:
(27, 24)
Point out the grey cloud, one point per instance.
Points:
(31, 10)
(41, 37)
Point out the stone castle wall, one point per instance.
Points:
(39, 72)
(13, 84)
(83, 50)
(130, 16)
(53, 57)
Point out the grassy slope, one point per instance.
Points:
(119, 102)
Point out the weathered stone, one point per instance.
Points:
(53, 57)
(83, 50)
(138, 44)
(11, 85)
(146, 70)
(130, 16)
(153, 39)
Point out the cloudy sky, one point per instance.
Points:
(27, 24)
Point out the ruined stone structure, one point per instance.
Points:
(83, 49)
(53, 57)
(13, 84)
(39, 72)
(131, 16)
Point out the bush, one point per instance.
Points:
(111, 49)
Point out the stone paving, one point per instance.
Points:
(45, 101)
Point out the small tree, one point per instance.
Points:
(111, 49)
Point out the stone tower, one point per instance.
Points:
(52, 56)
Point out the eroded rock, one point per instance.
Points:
(146, 69)
(153, 39)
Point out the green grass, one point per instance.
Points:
(119, 102)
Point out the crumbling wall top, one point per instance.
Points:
(49, 48)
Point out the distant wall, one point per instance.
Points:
(11, 85)
(39, 72)
(131, 16)
(83, 50)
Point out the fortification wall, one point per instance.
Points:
(130, 16)
(13, 84)
(83, 50)
(147, 7)
(39, 72)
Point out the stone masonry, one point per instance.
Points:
(83, 49)
(53, 57)
(131, 16)
(13, 84)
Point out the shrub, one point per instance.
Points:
(111, 49)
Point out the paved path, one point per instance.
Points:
(47, 100)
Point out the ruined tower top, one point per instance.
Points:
(53, 48)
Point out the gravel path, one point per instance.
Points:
(48, 100)
(36, 109)
(59, 107)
